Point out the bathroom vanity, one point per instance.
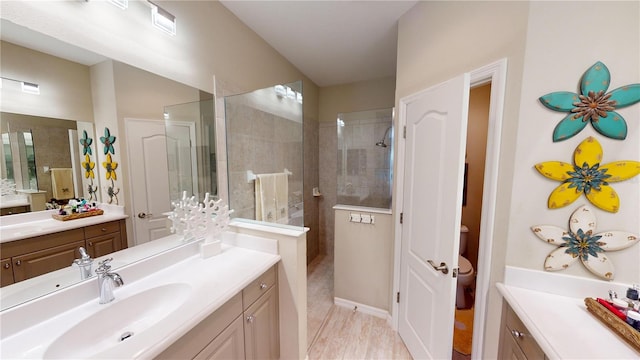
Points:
(544, 317)
(242, 303)
(245, 327)
(33, 244)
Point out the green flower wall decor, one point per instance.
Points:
(108, 140)
(594, 104)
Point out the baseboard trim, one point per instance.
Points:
(383, 314)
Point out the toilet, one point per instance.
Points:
(466, 274)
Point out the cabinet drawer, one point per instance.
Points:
(101, 229)
(258, 287)
(41, 262)
(522, 336)
(25, 246)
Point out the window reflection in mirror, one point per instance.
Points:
(264, 137)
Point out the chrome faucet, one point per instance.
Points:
(84, 263)
(107, 281)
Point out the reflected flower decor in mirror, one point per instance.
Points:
(108, 140)
(580, 242)
(587, 176)
(88, 165)
(593, 105)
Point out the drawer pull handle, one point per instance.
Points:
(90, 243)
(6, 266)
(250, 318)
(18, 263)
(103, 229)
(263, 286)
(517, 334)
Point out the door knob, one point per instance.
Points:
(443, 267)
(143, 215)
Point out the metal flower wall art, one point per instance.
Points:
(108, 140)
(88, 165)
(594, 104)
(587, 177)
(110, 166)
(580, 242)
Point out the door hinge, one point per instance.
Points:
(401, 217)
(398, 297)
(404, 132)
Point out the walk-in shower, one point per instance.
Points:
(364, 169)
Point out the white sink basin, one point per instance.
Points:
(118, 322)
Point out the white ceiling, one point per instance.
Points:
(331, 42)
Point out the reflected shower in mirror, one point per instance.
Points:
(191, 149)
(264, 154)
(365, 158)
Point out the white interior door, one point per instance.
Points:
(149, 174)
(436, 124)
(181, 159)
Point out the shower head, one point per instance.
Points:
(381, 143)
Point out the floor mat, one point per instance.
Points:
(463, 331)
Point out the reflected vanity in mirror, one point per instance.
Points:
(67, 86)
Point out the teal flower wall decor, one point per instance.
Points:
(86, 142)
(594, 104)
(580, 243)
(108, 140)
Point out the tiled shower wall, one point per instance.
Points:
(261, 142)
(309, 172)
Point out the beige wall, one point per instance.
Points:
(548, 68)
(65, 86)
(455, 37)
(439, 40)
(363, 95)
(363, 260)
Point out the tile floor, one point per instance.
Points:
(335, 332)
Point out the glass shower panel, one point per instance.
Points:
(365, 158)
(264, 136)
(191, 149)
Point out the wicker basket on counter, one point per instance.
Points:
(624, 330)
(77, 215)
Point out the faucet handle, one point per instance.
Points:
(103, 266)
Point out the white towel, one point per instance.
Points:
(62, 183)
(282, 198)
(265, 192)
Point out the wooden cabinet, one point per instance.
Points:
(516, 341)
(38, 255)
(14, 210)
(103, 239)
(261, 330)
(245, 327)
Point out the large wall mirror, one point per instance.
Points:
(69, 102)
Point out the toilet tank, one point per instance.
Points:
(464, 234)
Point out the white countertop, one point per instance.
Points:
(213, 281)
(26, 225)
(552, 308)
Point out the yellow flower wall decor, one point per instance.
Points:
(587, 176)
(88, 166)
(111, 167)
